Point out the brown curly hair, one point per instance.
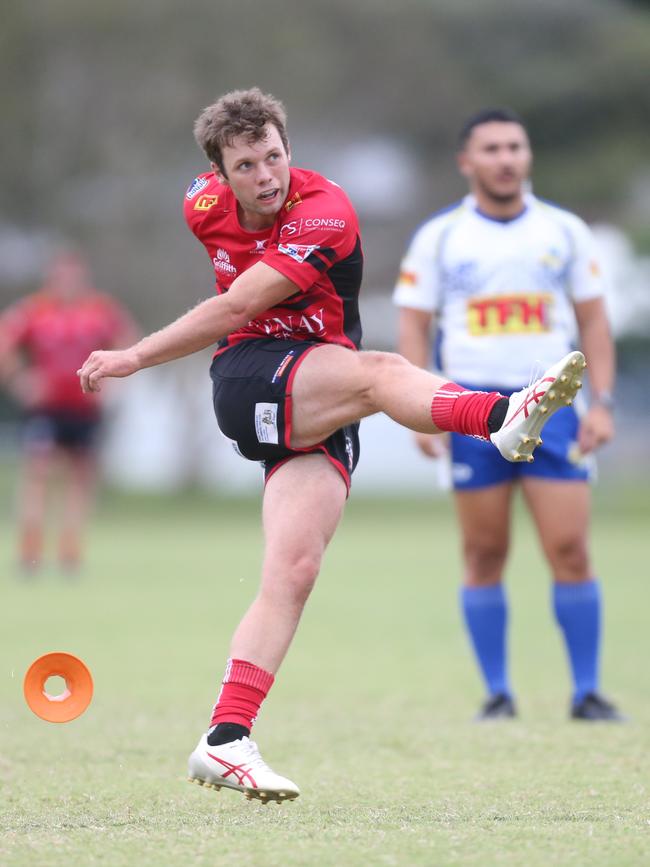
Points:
(238, 113)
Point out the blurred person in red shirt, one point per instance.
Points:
(44, 337)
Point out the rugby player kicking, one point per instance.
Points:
(290, 387)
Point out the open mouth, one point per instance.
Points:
(268, 196)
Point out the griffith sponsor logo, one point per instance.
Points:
(309, 223)
(298, 252)
(195, 188)
(222, 264)
(260, 247)
(594, 268)
(293, 201)
(204, 203)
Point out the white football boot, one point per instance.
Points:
(530, 408)
(238, 765)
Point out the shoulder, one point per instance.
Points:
(435, 225)
(204, 197)
(22, 313)
(30, 305)
(309, 189)
(561, 216)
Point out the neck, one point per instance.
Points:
(252, 222)
(500, 209)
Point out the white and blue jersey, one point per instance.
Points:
(502, 292)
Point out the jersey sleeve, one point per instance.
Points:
(585, 280)
(313, 236)
(418, 282)
(197, 202)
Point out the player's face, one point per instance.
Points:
(496, 160)
(258, 174)
(68, 278)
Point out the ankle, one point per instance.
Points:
(225, 732)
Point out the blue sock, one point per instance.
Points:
(578, 612)
(486, 616)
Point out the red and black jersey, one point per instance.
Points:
(314, 242)
(57, 337)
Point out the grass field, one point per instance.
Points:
(370, 715)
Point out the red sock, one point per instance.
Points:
(456, 409)
(244, 688)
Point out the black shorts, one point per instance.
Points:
(64, 429)
(252, 401)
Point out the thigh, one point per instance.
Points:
(252, 393)
(303, 503)
(253, 390)
(341, 449)
(329, 393)
(39, 435)
(484, 518)
(561, 511)
(559, 457)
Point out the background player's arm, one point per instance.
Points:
(415, 344)
(597, 425)
(20, 380)
(257, 289)
(414, 335)
(10, 362)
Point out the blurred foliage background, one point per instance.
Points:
(99, 102)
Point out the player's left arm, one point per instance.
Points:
(597, 425)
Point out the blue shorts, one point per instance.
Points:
(477, 464)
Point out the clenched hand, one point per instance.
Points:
(106, 363)
(596, 429)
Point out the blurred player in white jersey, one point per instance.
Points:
(507, 278)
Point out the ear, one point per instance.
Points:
(463, 164)
(219, 174)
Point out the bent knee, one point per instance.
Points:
(570, 557)
(376, 368)
(291, 580)
(484, 563)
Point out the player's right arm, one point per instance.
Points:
(415, 295)
(21, 380)
(415, 344)
(255, 290)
